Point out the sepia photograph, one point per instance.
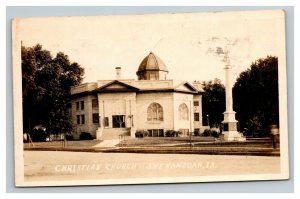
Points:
(150, 98)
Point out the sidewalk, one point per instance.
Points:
(107, 144)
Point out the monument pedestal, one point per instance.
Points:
(233, 136)
(230, 132)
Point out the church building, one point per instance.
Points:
(109, 108)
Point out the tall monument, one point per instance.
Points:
(229, 123)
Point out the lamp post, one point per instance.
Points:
(207, 117)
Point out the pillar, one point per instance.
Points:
(230, 123)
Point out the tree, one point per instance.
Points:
(33, 60)
(256, 95)
(46, 84)
(213, 101)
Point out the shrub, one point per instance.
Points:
(214, 132)
(69, 137)
(172, 133)
(38, 135)
(85, 136)
(196, 133)
(206, 132)
(138, 134)
(141, 133)
(169, 133)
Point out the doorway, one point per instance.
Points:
(118, 121)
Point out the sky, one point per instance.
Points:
(190, 44)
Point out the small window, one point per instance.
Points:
(95, 103)
(78, 119)
(106, 121)
(95, 118)
(196, 103)
(156, 132)
(82, 105)
(82, 119)
(77, 105)
(152, 76)
(196, 116)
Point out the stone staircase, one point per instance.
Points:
(115, 133)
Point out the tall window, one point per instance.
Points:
(106, 121)
(78, 119)
(82, 105)
(95, 103)
(183, 112)
(77, 105)
(196, 116)
(95, 118)
(82, 119)
(155, 112)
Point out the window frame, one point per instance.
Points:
(94, 116)
(95, 103)
(78, 119)
(82, 105)
(196, 103)
(198, 116)
(106, 122)
(77, 105)
(155, 112)
(82, 119)
(183, 112)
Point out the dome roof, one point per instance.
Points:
(152, 63)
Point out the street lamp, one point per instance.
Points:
(207, 119)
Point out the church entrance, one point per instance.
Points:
(118, 121)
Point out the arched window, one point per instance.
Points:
(183, 112)
(155, 112)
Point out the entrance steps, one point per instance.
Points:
(115, 133)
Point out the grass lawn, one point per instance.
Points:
(164, 145)
(164, 140)
(156, 142)
(70, 144)
(196, 140)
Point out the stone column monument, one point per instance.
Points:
(230, 123)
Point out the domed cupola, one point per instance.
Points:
(152, 68)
